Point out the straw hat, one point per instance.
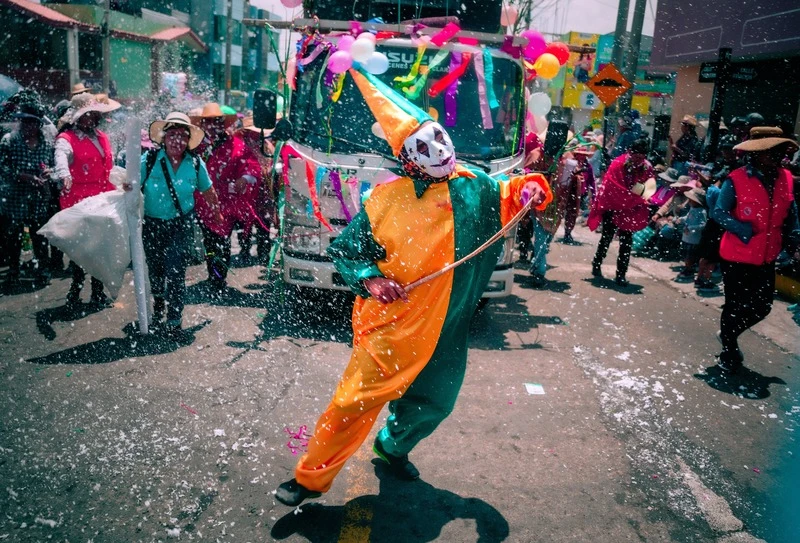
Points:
(79, 88)
(84, 103)
(764, 138)
(697, 195)
(157, 129)
(646, 189)
(212, 110)
(689, 119)
(671, 175)
(684, 182)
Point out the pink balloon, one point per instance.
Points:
(536, 44)
(292, 3)
(340, 62)
(345, 42)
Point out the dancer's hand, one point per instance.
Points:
(532, 192)
(385, 290)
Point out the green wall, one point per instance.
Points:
(130, 68)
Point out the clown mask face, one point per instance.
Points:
(431, 149)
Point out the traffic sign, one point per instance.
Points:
(609, 84)
(742, 74)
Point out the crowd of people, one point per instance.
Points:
(206, 169)
(733, 218)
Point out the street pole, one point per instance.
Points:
(106, 46)
(632, 60)
(721, 83)
(616, 57)
(228, 39)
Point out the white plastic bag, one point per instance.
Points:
(94, 234)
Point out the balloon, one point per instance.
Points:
(536, 44)
(345, 42)
(377, 63)
(377, 130)
(292, 3)
(508, 16)
(368, 36)
(539, 104)
(558, 50)
(361, 50)
(340, 62)
(547, 66)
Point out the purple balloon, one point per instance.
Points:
(345, 42)
(536, 44)
(340, 62)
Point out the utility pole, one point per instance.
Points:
(616, 57)
(632, 60)
(228, 39)
(106, 46)
(721, 83)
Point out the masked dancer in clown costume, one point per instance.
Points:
(409, 346)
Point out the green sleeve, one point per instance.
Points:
(354, 253)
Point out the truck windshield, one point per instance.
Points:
(345, 126)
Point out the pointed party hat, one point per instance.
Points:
(398, 117)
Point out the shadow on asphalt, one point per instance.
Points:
(46, 317)
(610, 284)
(550, 285)
(402, 511)
(490, 326)
(111, 349)
(745, 383)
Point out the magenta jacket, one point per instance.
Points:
(631, 211)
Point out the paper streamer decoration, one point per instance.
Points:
(415, 90)
(406, 79)
(286, 152)
(336, 185)
(451, 94)
(443, 36)
(483, 101)
(452, 77)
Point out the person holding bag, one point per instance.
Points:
(170, 177)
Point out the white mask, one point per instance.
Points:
(432, 150)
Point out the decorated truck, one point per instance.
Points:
(331, 150)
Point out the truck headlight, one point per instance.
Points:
(303, 239)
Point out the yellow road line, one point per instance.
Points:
(357, 520)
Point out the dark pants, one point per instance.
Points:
(218, 256)
(78, 277)
(749, 292)
(572, 206)
(16, 230)
(165, 247)
(625, 245)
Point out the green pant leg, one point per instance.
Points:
(427, 402)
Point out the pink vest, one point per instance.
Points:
(89, 170)
(753, 205)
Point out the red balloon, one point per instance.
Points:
(558, 50)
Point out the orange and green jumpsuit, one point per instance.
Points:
(411, 354)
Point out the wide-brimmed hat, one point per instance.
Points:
(691, 120)
(697, 195)
(176, 118)
(212, 110)
(764, 138)
(79, 88)
(84, 103)
(671, 175)
(646, 189)
(684, 182)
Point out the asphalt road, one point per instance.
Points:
(107, 436)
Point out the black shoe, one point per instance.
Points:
(293, 493)
(596, 271)
(399, 465)
(13, 282)
(568, 240)
(538, 280)
(622, 282)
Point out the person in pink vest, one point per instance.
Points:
(234, 171)
(756, 208)
(84, 158)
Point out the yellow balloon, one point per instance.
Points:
(547, 66)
